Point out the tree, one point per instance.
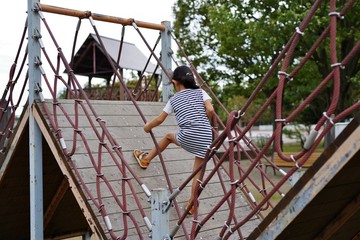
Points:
(236, 102)
(235, 43)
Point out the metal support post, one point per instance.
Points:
(166, 52)
(160, 214)
(86, 236)
(35, 137)
(330, 136)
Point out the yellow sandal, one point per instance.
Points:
(192, 209)
(139, 158)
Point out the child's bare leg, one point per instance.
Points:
(199, 175)
(163, 143)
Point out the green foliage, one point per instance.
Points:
(236, 102)
(297, 147)
(297, 131)
(234, 43)
(62, 94)
(292, 147)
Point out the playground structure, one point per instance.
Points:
(84, 63)
(82, 149)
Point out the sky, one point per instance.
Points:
(13, 18)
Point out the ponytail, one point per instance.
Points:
(184, 75)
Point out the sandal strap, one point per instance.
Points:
(142, 161)
(142, 154)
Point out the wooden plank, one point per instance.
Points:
(171, 154)
(121, 132)
(212, 190)
(206, 204)
(14, 142)
(108, 108)
(55, 202)
(212, 227)
(329, 201)
(153, 170)
(337, 222)
(334, 164)
(350, 230)
(59, 157)
(109, 121)
(127, 145)
(126, 127)
(282, 163)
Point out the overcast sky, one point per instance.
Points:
(13, 16)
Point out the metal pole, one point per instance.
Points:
(35, 137)
(166, 52)
(330, 136)
(86, 236)
(160, 214)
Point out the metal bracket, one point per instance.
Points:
(166, 206)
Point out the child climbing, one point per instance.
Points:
(193, 109)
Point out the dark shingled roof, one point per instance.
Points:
(131, 58)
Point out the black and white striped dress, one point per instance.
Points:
(195, 133)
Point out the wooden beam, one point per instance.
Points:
(352, 208)
(75, 188)
(55, 201)
(72, 235)
(335, 163)
(13, 143)
(100, 17)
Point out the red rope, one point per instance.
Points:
(107, 144)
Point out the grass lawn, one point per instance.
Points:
(296, 147)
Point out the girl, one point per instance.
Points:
(193, 109)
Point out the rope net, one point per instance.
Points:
(225, 152)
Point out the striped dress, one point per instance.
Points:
(195, 133)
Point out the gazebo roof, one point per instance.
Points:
(131, 57)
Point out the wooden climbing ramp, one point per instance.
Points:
(323, 203)
(92, 185)
(67, 200)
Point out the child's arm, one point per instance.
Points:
(155, 122)
(209, 109)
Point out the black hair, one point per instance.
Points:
(184, 75)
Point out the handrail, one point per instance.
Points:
(100, 17)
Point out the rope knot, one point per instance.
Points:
(239, 114)
(213, 149)
(298, 31)
(228, 227)
(337, 65)
(293, 159)
(234, 139)
(117, 147)
(200, 184)
(328, 118)
(198, 223)
(284, 74)
(77, 130)
(337, 14)
(87, 14)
